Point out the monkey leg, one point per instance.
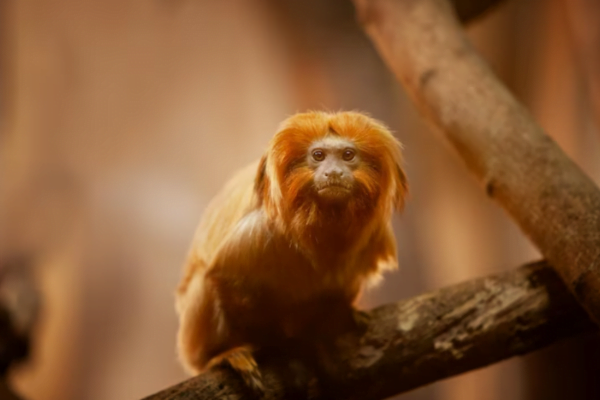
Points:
(203, 331)
(205, 335)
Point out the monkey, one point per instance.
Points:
(288, 244)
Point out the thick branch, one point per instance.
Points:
(429, 337)
(524, 170)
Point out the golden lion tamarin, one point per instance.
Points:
(286, 246)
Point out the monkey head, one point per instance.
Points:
(321, 161)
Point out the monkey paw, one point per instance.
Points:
(242, 360)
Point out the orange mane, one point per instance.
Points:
(284, 178)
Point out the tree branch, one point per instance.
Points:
(429, 337)
(550, 198)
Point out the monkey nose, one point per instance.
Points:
(333, 173)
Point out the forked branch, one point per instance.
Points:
(556, 205)
(476, 323)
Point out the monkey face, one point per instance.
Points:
(333, 161)
(320, 160)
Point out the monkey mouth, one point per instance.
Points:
(334, 191)
(334, 185)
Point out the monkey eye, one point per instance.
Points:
(318, 155)
(348, 155)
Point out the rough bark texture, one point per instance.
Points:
(519, 166)
(427, 338)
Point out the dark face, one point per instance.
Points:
(333, 161)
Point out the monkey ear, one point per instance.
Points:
(261, 180)
(401, 184)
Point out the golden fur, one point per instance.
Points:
(268, 260)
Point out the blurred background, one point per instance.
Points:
(120, 119)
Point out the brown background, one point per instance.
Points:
(119, 119)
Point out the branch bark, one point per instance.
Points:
(556, 205)
(429, 337)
